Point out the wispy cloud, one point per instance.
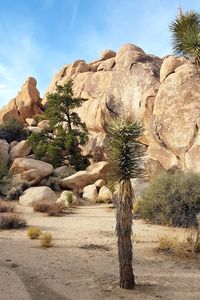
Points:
(74, 13)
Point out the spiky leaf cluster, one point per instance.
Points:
(186, 35)
(125, 152)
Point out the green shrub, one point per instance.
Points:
(39, 117)
(70, 198)
(16, 191)
(11, 221)
(172, 199)
(12, 130)
(52, 182)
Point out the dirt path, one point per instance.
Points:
(83, 262)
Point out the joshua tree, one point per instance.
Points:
(125, 153)
(186, 35)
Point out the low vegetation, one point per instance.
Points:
(52, 182)
(11, 221)
(5, 207)
(50, 208)
(12, 130)
(16, 191)
(69, 198)
(183, 248)
(172, 199)
(46, 240)
(34, 233)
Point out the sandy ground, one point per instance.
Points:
(83, 263)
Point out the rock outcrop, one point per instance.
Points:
(26, 104)
(161, 93)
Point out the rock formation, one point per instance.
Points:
(26, 104)
(161, 93)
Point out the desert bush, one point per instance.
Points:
(39, 117)
(41, 206)
(16, 191)
(56, 209)
(6, 207)
(12, 130)
(46, 240)
(34, 233)
(183, 248)
(51, 209)
(69, 198)
(3, 168)
(172, 199)
(11, 221)
(52, 182)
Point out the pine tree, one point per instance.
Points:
(67, 141)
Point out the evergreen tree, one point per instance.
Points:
(67, 141)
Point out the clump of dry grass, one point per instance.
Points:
(5, 207)
(46, 240)
(41, 206)
(51, 209)
(56, 209)
(34, 233)
(184, 248)
(11, 221)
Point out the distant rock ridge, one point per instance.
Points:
(161, 93)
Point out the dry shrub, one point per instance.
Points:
(34, 233)
(172, 199)
(52, 209)
(46, 240)
(11, 221)
(184, 248)
(6, 207)
(41, 206)
(56, 209)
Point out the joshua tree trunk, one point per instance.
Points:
(124, 232)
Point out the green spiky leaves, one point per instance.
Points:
(186, 35)
(124, 150)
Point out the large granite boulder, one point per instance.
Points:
(81, 179)
(39, 193)
(21, 149)
(90, 193)
(31, 170)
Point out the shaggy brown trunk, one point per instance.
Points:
(124, 232)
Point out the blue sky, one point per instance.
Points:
(38, 37)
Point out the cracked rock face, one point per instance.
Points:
(176, 116)
(163, 94)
